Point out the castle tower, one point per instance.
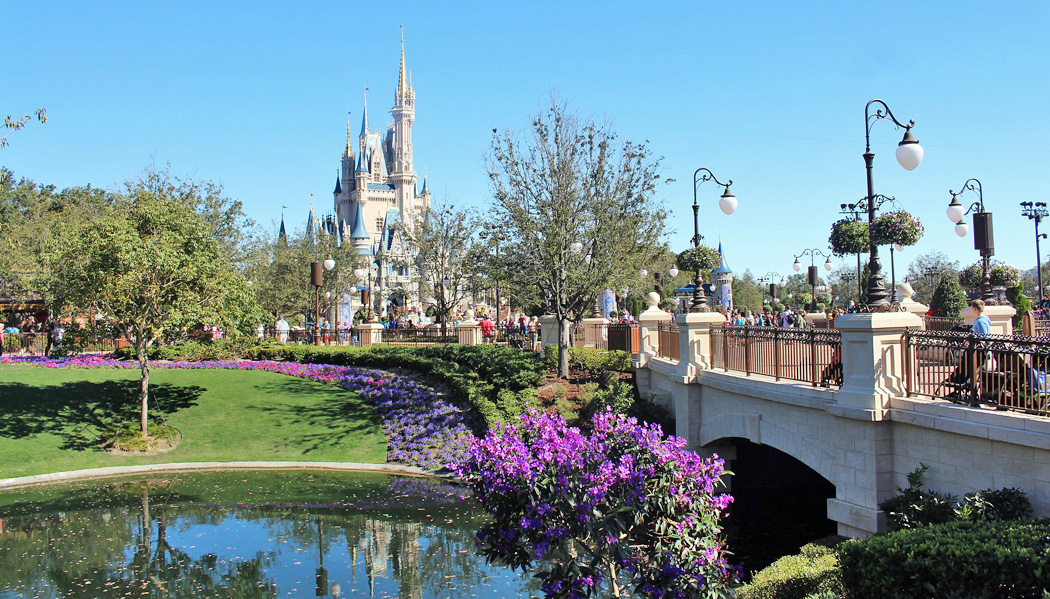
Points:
(404, 113)
(722, 279)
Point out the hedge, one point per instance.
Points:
(814, 570)
(496, 381)
(958, 559)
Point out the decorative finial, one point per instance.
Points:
(402, 87)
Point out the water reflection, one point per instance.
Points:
(246, 535)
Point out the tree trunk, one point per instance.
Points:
(144, 389)
(564, 332)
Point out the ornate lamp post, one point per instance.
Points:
(317, 280)
(909, 155)
(812, 277)
(1036, 212)
(658, 278)
(982, 229)
(727, 204)
(774, 280)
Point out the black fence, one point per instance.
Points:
(1009, 373)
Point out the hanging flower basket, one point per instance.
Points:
(896, 227)
(970, 277)
(699, 258)
(849, 236)
(1004, 275)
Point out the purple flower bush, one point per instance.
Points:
(848, 236)
(619, 506)
(422, 428)
(898, 226)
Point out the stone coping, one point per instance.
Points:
(114, 471)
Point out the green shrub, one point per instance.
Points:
(916, 506)
(231, 348)
(589, 359)
(476, 374)
(958, 559)
(989, 505)
(813, 571)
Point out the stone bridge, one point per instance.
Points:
(863, 438)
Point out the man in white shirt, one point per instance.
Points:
(282, 328)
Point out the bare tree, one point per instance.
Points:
(443, 239)
(578, 205)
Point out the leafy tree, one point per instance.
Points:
(621, 506)
(579, 205)
(747, 293)
(443, 265)
(937, 265)
(949, 299)
(30, 215)
(148, 264)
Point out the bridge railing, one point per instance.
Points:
(942, 323)
(623, 337)
(419, 336)
(667, 341)
(1010, 373)
(808, 355)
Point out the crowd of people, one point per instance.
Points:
(24, 333)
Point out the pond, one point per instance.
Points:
(247, 535)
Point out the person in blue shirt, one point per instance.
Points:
(981, 324)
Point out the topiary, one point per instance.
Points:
(948, 300)
(1015, 295)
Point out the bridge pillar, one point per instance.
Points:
(549, 330)
(694, 341)
(648, 336)
(595, 332)
(871, 359)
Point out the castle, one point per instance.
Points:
(376, 195)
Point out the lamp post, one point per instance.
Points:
(497, 237)
(773, 279)
(727, 204)
(1035, 212)
(982, 229)
(812, 277)
(317, 280)
(658, 278)
(365, 275)
(849, 277)
(909, 155)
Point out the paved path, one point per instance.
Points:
(9, 483)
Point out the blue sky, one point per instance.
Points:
(768, 94)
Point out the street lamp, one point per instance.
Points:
(909, 155)
(727, 204)
(497, 237)
(317, 280)
(658, 277)
(982, 229)
(773, 279)
(812, 277)
(1036, 212)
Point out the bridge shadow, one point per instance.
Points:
(76, 412)
(335, 415)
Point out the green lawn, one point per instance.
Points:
(50, 418)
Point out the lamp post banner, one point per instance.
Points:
(346, 312)
(608, 302)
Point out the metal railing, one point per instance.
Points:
(942, 323)
(1034, 326)
(667, 341)
(1010, 373)
(420, 336)
(306, 336)
(808, 355)
(623, 337)
(35, 344)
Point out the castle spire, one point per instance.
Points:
(364, 116)
(402, 86)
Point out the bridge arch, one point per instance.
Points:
(810, 452)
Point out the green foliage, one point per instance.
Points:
(480, 375)
(813, 571)
(989, 505)
(949, 299)
(1015, 295)
(589, 359)
(230, 348)
(915, 506)
(957, 559)
(848, 236)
